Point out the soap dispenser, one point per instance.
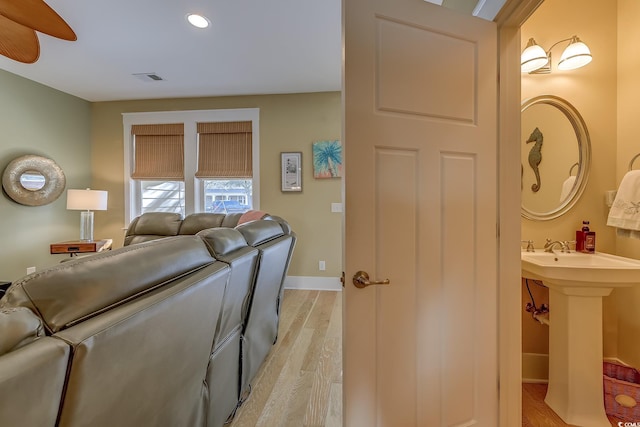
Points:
(590, 241)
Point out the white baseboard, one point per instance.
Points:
(313, 283)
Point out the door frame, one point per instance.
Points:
(510, 18)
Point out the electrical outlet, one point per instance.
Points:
(322, 266)
(31, 270)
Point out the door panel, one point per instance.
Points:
(396, 205)
(420, 102)
(458, 290)
(445, 65)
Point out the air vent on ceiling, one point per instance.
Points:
(148, 77)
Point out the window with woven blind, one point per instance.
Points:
(158, 151)
(224, 150)
(192, 161)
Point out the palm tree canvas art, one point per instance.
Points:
(327, 159)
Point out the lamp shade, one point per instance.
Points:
(576, 55)
(90, 200)
(533, 57)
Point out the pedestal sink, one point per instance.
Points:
(577, 282)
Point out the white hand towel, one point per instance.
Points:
(625, 211)
(567, 186)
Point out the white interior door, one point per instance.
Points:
(420, 105)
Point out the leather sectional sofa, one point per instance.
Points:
(168, 330)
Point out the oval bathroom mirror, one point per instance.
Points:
(555, 157)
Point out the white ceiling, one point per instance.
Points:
(252, 47)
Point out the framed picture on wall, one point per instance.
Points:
(327, 159)
(291, 164)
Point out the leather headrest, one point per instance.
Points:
(200, 221)
(222, 241)
(158, 223)
(260, 231)
(70, 291)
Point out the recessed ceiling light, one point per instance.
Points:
(198, 20)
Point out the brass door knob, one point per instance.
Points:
(361, 280)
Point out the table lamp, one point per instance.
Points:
(87, 201)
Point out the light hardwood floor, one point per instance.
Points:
(300, 382)
(536, 413)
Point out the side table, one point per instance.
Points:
(73, 247)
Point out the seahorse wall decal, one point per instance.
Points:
(535, 156)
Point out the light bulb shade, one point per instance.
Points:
(87, 200)
(533, 57)
(576, 55)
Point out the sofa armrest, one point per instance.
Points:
(18, 327)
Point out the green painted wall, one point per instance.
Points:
(36, 119)
(287, 123)
(86, 140)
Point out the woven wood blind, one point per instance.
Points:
(158, 151)
(224, 150)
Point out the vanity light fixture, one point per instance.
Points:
(198, 21)
(535, 60)
(533, 57)
(576, 55)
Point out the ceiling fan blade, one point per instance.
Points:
(18, 42)
(37, 15)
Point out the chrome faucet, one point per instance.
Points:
(548, 247)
